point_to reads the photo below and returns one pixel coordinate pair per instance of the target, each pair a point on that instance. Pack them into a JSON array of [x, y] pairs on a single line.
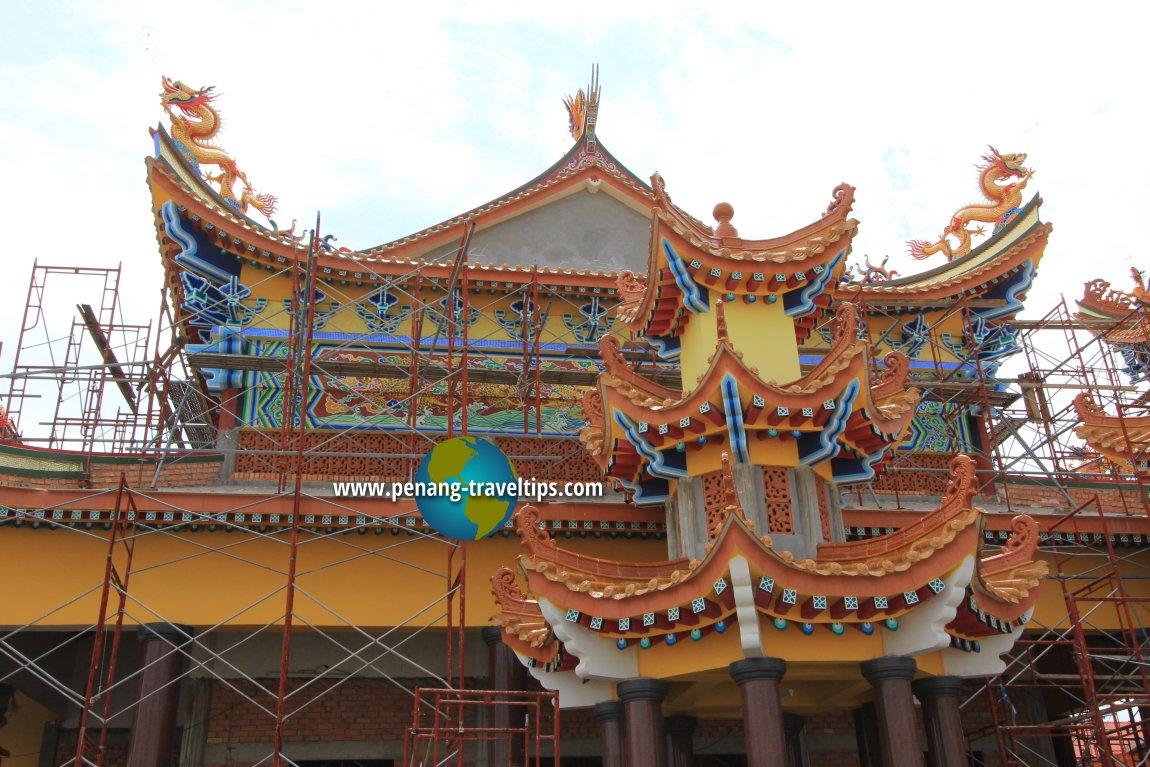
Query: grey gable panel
[[581, 231]]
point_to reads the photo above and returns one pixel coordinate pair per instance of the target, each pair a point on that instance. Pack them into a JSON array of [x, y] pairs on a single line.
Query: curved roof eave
[[971, 273], [575, 168]]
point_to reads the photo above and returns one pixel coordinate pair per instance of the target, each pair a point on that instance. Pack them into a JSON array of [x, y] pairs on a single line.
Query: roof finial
[[721, 323], [723, 213], [583, 110], [727, 484]]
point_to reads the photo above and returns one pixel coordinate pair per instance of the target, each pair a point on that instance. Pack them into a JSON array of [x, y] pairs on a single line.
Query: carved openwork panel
[[713, 499], [777, 497], [822, 488]]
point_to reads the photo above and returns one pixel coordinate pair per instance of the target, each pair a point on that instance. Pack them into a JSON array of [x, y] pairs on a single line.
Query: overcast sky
[[391, 117]]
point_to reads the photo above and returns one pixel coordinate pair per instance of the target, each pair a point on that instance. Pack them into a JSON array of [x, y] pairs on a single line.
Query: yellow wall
[[761, 331], [203, 578], [21, 736], [1095, 613]]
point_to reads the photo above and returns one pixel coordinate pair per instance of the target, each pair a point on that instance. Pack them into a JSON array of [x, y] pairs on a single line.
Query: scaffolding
[[292, 530], [60, 373], [1019, 400], [445, 722], [1078, 691]]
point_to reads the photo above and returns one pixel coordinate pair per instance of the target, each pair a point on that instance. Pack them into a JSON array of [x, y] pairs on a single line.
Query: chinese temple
[[848, 516]]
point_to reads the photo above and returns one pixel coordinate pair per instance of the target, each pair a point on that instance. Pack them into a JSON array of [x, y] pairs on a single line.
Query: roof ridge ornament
[[194, 129], [723, 213], [721, 330], [583, 111], [1005, 203], [732, 504]]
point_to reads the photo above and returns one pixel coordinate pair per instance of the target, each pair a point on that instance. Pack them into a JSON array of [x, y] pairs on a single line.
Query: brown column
[[681, 734], [866, 734], [758, 680], [154, 719], [610, 715], [646, 743], [897, 734], [229, 406], [985, 472], [793, 725], [1144, 716], [1031, 706], [504, 672], [946, 743]]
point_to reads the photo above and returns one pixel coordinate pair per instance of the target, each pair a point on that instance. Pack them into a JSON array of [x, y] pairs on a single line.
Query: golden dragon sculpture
[[194, 124], [1005, 199]]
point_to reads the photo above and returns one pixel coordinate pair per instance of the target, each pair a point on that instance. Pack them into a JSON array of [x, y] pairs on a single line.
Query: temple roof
[[579, 170], [834, 413], [1114, 315], [687, 260], [1002, 267], [854, 583], [1122, 438]]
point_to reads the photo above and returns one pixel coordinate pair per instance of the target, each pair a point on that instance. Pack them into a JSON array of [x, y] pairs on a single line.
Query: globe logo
[[466, 488]]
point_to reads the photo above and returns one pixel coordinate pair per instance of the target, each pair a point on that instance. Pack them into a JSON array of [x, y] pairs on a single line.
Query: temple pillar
[[749, 486], [674, 536], [898, 737], [691, 506], [1144, 716], [985, 472], [611, 716], [758, 680], [154, 718], [835, 511], [1028, 698], [227, 438], [504, 672], [680, 740], [1064, 752], [866, 735], [805, 502], [229, 409], [646, 743], [196, 721], [793, 726], [942, 719]]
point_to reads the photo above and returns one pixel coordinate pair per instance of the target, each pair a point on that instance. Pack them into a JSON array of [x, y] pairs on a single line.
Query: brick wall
[[333, 709], [1117, 499], [54, 469], [15, 480], [172, 474], [830, 739], [377, 710], [383, 456], [978, 722], [926, 475], [115, 748]]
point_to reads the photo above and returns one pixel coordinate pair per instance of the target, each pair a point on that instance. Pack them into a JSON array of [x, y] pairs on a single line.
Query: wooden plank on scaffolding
[[118, 375], [964, 392]]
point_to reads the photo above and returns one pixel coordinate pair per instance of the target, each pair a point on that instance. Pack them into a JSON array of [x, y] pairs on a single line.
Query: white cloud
[[390, 118]]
